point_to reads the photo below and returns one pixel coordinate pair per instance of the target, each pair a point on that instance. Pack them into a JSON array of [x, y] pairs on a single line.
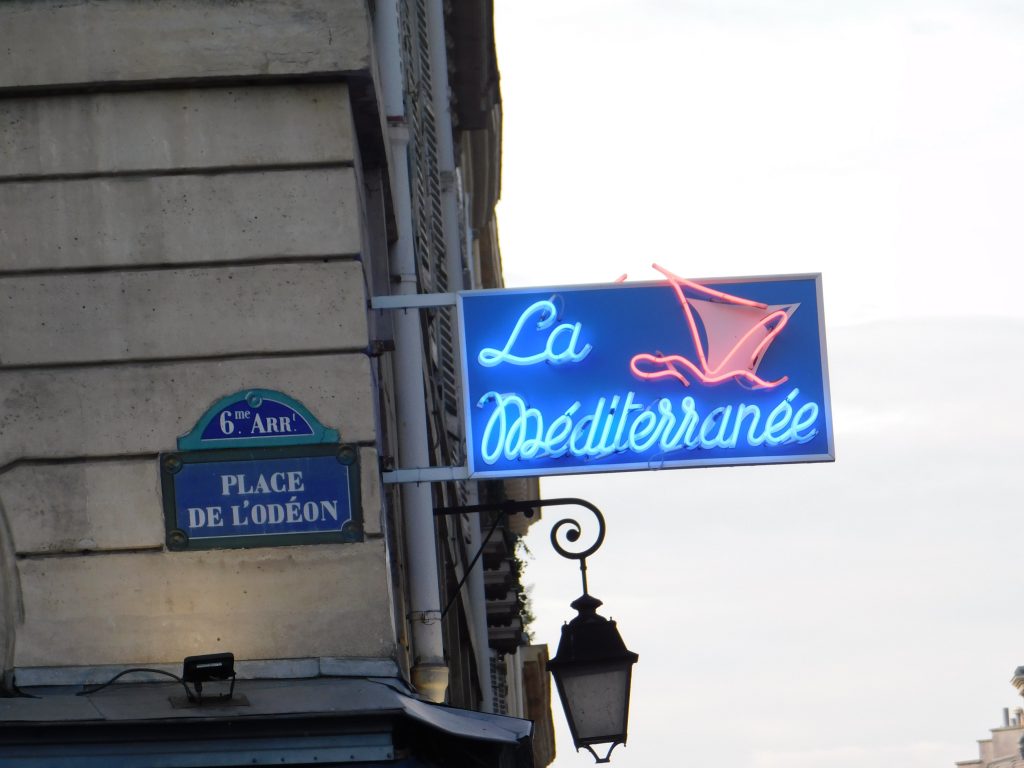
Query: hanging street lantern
[[592, 668], [592, 671]]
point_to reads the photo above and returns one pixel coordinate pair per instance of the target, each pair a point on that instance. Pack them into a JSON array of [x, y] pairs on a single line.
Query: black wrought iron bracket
[[568, 530]]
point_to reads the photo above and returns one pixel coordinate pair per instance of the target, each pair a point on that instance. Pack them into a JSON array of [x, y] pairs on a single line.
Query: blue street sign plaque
[[261, 497]]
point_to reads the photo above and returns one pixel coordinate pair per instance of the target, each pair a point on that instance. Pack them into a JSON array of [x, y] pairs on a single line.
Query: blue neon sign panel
[[645, 376]]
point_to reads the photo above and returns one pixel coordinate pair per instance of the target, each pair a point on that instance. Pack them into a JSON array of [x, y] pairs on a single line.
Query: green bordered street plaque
[[258, 470], [261, 497]]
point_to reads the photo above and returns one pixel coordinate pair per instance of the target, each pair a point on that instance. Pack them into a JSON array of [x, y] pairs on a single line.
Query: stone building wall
[[180, 219]]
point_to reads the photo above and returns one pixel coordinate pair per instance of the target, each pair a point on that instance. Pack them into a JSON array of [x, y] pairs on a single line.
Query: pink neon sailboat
[[738, 332]]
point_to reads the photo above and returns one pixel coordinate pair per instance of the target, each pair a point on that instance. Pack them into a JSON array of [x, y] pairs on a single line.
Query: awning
[[363, 721]]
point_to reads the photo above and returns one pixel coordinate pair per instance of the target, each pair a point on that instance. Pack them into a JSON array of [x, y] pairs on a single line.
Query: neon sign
[[546, 313], [645, 375]]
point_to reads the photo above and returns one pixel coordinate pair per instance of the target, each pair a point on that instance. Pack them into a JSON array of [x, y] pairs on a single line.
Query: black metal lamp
[[593, 671]]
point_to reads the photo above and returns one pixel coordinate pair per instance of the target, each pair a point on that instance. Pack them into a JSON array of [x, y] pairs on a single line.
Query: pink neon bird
[[738, 331]]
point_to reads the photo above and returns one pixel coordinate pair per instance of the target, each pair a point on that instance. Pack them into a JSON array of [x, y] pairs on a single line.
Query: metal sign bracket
[[413, 301], [426, 475]]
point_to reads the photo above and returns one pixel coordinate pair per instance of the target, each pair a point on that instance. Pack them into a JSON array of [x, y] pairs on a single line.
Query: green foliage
[[520, 554]]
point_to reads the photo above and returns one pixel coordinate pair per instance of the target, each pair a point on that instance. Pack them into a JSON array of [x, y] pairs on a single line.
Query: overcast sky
[[861, 613]]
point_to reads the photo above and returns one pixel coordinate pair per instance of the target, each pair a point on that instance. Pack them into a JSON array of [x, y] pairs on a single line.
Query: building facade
[[1005, 745], [200, 199], [1002, 748]]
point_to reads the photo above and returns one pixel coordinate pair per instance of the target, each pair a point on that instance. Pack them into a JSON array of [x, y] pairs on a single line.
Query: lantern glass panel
[[598, 700]]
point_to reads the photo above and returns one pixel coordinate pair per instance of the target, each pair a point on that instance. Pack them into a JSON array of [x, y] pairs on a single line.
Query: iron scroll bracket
[[564, 534]]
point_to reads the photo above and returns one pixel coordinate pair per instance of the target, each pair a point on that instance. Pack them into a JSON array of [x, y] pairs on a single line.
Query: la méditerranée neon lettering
[[619, 423]]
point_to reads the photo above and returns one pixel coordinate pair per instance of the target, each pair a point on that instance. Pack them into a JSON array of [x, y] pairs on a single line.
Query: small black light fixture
[[211, 666]]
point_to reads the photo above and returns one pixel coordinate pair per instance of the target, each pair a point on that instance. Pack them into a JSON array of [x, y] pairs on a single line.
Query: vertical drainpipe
[[429, 671], [478, 614], [441, 102]]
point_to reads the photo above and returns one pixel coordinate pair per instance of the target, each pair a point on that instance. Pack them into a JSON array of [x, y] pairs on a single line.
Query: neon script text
[[564, 337], [619, 424]]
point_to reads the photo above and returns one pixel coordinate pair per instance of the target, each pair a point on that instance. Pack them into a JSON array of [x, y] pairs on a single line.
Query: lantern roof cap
[[590, 638]]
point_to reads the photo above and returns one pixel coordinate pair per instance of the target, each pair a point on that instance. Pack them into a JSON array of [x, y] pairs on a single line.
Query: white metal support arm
[[413, 301]]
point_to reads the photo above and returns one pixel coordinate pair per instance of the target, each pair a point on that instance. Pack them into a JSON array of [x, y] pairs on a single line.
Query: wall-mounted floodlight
[[212, 666]]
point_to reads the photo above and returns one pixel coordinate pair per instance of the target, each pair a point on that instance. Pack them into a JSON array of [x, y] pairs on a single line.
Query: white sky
[[862, 613]]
